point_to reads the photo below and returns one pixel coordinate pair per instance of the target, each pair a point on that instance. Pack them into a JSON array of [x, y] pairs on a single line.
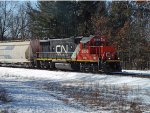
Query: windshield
[[96, 43]]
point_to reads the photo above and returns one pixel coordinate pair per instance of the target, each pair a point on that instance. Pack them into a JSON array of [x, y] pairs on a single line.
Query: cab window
[[84, 45], [97, 43]]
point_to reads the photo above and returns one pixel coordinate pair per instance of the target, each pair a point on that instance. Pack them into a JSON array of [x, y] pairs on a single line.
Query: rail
[[54, 55], [141, 75]]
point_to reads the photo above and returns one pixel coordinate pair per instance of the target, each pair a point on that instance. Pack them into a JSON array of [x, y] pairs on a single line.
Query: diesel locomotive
[[87, 54], [92, 54]]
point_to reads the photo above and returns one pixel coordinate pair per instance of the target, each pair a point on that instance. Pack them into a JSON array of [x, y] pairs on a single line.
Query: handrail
[[56, 52]]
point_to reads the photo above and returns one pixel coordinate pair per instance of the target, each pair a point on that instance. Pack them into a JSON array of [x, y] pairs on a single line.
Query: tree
[[64, 19], [19, 23], [138, 33], [129, 22], [41, 18], [6, 9], [100, 20]]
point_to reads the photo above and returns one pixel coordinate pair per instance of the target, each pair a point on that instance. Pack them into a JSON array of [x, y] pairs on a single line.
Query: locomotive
[[86, 54], [92, 54]]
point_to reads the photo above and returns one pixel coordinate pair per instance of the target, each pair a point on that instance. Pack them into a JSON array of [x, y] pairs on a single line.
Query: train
[[85, 54]]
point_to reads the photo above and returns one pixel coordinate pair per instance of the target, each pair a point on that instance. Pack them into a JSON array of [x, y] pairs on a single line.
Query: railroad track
[[141, 75]]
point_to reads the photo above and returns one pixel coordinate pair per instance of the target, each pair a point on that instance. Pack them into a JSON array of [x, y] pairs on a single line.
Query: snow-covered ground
[[19, 83]]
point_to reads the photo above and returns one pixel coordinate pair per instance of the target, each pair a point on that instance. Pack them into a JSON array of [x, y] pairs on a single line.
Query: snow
[[19, 83], [138, 71], [64, 76], [27, 99]]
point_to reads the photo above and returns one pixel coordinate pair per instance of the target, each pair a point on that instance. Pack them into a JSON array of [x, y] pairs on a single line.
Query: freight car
[[18, 53], [91, 54]]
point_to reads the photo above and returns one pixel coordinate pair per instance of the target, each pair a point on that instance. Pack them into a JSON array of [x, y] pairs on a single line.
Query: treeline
[[125, 23]]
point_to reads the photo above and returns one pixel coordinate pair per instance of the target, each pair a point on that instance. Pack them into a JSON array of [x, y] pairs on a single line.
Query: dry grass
[[4, 96], [93, 96], [4, 99]]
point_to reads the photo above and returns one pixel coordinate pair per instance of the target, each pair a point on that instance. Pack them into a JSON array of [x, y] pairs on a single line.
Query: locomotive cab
[[95, 51]]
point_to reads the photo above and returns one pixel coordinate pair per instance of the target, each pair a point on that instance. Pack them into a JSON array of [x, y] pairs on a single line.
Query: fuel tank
[[63, 66]]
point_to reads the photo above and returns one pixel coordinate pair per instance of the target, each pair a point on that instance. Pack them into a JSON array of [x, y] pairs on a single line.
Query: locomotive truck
[[87, 54]]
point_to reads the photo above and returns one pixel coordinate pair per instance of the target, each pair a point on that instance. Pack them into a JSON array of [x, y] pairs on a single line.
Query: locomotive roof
[[56, 39], [86, 39], [83, 39], [44, 40]]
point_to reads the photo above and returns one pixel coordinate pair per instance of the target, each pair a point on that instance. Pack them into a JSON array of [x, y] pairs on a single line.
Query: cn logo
[[61, 49]]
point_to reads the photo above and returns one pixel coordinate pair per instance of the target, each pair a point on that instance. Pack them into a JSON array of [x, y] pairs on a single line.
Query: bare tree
[[6, 10], [19, 23], [14, 28]]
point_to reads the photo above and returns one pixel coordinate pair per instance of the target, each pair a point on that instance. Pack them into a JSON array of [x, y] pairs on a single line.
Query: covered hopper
[[18, 52]]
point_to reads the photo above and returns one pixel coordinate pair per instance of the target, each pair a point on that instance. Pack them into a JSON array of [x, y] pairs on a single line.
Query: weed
[[94, 96], [4, 97]]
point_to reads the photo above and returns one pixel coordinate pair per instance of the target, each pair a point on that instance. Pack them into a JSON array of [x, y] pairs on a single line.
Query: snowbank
[[27, 99], [64, 76]]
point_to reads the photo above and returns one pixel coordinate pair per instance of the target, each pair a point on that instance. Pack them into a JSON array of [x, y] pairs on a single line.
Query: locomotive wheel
[[41, 65], [37, 64], [118, 67], [51, 65], [33, 64], [107, 68], [83, 67], [111, 67], [95, 68], [91, 68]]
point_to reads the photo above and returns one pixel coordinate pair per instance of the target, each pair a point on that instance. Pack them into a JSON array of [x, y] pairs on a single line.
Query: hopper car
[[87, 54], [18, 53]]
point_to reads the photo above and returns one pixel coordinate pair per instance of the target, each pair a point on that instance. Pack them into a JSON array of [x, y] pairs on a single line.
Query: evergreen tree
[[40, 18], [63, 19], [53, 19]]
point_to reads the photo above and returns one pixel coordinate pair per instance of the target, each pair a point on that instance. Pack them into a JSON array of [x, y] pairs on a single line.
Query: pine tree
[[63, 19]]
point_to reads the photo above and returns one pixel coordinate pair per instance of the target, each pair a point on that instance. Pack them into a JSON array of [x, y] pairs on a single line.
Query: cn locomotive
[[87, 54]]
